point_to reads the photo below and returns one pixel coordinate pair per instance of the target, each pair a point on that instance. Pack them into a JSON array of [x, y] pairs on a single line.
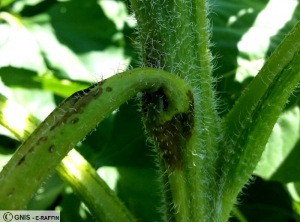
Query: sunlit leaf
[[24, 78], [280, 160]]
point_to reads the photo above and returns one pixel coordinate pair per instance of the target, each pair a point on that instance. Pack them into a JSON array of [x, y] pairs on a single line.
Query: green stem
[[101, 201], [174, 36], [73, 169], [249, 124], [55, 137]]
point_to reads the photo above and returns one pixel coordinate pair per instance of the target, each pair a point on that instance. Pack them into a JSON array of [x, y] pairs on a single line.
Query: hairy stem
[[73, 169], [55, 136], [249, 124], [174, 36]]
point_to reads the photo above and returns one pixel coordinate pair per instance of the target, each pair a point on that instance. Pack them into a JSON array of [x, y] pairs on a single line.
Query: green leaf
[[71, 209], [140, 190], [280, 159], [239, 52], [82, 25], [13, 30], [24, 78], [5, 2], [269, 200], [91, 48], [47, 194], [231, 21]]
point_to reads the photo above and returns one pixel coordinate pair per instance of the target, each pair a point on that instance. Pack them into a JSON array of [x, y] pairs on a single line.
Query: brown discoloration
[[70, 100], [74, 121], [108, 89], [76, 103], [85, 92], [169, 136], [157, 102], [72, 110], [97, 92], [168, 139], [42, 139], [21, 161], [31, 150], [146, 100], [62, 120], [51, 149], [100, 83]]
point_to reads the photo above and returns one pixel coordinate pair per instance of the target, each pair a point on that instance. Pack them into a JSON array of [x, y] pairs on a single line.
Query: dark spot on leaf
[[21, 161], [83, 92], [70, 100], [97, 92], [108, 89], [51, 149], [43, 138], [62, 119], [100, 83], [76, 103], [31, 149], [75, 120]]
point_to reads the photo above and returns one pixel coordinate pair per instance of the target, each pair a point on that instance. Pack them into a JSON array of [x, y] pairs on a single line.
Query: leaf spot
[[21, 161], [74, 121], [51, 149], [108, 89], [98, 92]]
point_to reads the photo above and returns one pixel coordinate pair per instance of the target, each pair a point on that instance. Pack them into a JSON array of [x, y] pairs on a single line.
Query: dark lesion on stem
[[77, 102], [169, 136]]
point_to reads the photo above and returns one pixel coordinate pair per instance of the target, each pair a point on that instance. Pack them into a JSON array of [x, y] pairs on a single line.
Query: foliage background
[[50, 49]]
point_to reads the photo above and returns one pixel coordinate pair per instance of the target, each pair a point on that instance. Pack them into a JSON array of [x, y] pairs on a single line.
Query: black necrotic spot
[[21, 160], [51, 149], [108, 89], [97, 92], [75, 120]]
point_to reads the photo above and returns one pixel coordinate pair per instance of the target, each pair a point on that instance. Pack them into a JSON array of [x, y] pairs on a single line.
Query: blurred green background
[[50, 49]]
